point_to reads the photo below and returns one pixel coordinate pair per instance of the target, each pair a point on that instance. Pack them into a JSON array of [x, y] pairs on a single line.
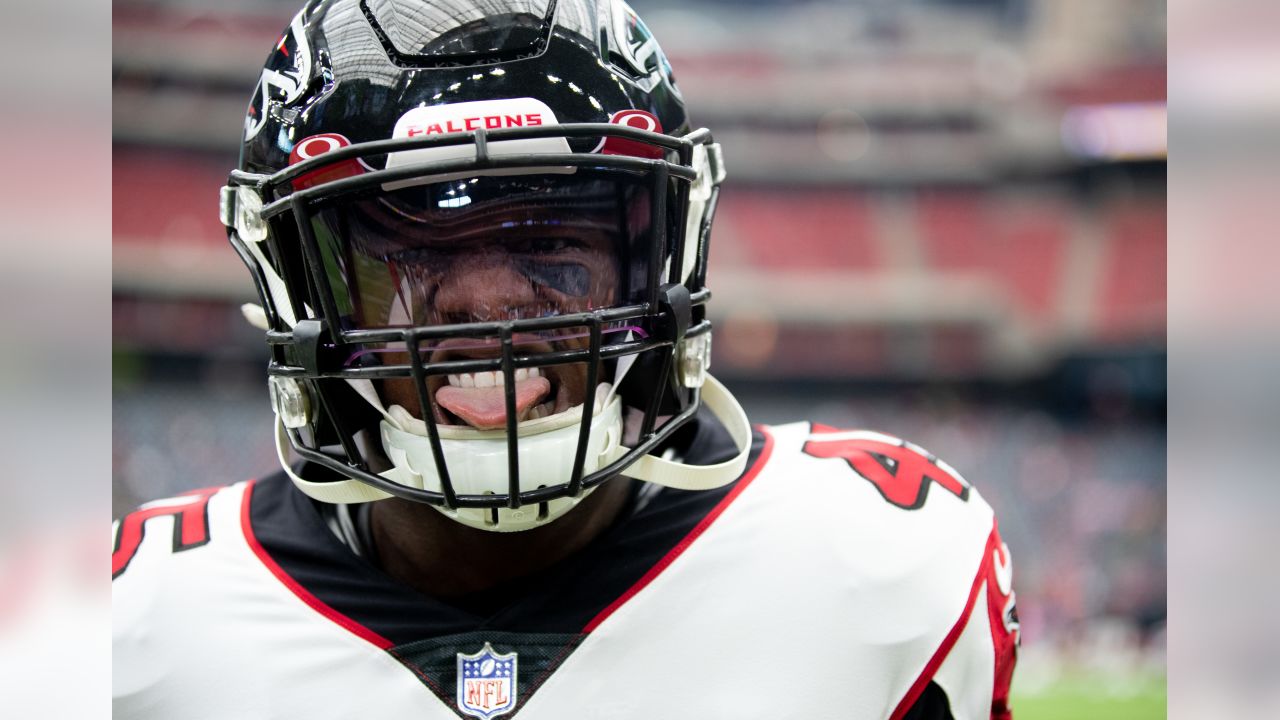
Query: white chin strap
[[548, 453], [680, 476]]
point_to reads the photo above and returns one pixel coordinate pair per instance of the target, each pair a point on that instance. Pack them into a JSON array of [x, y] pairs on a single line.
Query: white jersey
[[845, 575]]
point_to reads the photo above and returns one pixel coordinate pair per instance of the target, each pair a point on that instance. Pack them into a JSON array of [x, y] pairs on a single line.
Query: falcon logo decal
[[638, 49], [284, 78]]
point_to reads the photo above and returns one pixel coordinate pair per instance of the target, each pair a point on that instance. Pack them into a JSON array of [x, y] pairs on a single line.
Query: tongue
[[486, 408]]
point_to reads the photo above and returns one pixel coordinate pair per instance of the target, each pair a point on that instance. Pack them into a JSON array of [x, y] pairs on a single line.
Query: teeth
[[539, 411], [491, 379], [480, 379]]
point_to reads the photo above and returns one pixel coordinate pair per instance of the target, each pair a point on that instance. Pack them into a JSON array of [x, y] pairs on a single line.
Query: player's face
[[486, 249], [536, 270]]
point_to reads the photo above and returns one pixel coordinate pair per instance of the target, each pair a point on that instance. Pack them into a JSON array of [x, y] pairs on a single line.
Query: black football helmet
[[479, 233]]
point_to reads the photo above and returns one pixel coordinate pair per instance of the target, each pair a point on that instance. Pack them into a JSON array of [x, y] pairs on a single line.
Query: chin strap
[[649, 467], [337, 492], [680, 476]]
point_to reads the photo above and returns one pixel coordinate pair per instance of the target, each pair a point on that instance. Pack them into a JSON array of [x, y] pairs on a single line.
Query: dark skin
[[410, 536], [415, 543]]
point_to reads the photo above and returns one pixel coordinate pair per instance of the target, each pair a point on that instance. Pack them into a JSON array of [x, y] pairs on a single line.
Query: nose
[[483, 286]]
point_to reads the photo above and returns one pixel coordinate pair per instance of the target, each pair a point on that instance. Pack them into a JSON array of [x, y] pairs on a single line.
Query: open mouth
[[479, 399]]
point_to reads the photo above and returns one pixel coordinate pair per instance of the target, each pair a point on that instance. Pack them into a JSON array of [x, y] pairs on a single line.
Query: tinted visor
[[487, 249]]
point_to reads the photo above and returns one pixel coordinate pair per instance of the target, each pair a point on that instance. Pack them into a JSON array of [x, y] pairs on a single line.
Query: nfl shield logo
[[486, 683]]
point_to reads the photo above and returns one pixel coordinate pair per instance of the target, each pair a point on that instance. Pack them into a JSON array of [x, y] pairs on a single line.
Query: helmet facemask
[[494, 312]]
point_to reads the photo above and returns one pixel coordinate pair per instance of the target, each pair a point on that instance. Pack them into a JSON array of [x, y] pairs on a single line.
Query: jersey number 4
[[901, 471], [190, 527]]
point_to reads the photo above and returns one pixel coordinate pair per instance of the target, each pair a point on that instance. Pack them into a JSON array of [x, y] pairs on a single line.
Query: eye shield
[[486, 248]]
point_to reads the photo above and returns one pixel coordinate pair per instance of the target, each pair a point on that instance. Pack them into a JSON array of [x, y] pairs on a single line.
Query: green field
[[1092, 698]]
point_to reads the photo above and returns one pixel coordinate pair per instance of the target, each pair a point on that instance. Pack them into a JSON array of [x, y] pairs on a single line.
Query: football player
[[479, 232]]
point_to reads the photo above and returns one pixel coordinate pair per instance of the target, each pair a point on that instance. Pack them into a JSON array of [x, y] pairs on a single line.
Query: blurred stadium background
[[945, 220]]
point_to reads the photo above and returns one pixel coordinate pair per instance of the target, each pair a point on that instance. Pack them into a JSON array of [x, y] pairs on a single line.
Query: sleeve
[[975, 676]]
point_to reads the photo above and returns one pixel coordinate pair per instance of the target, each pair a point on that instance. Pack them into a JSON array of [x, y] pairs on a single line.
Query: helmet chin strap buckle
[[240, 208], [693, 360], [290, 400]]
